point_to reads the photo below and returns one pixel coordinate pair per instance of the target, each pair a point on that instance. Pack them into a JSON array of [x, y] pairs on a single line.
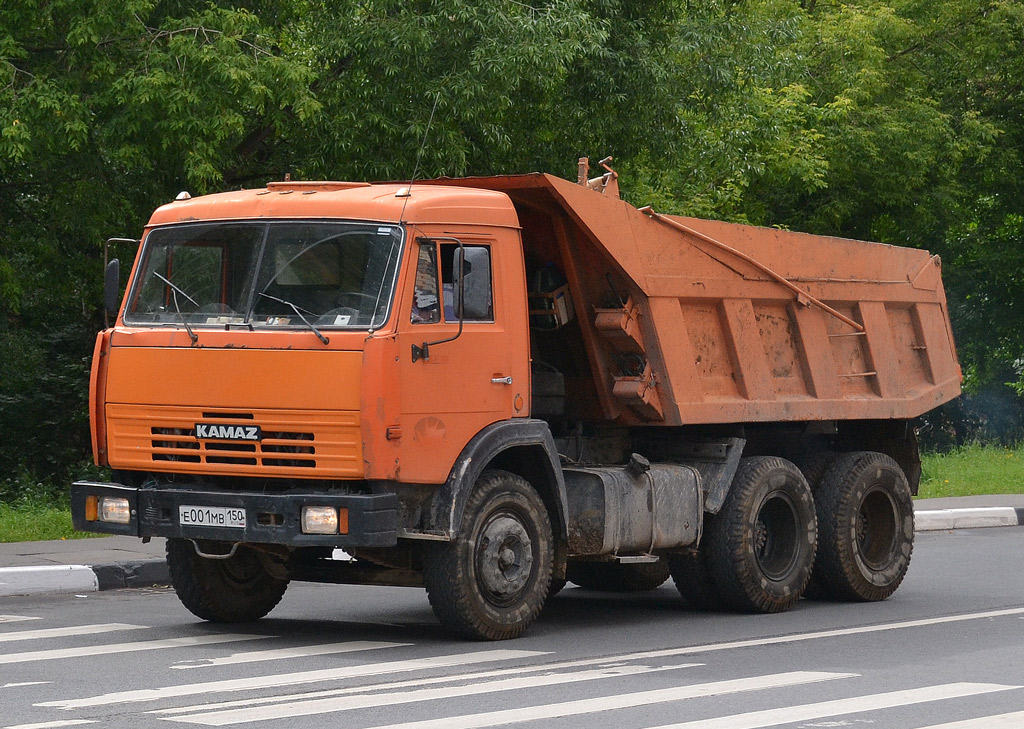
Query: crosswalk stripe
[[73, 630], [52, 724], [109, 648], [405, 685], [365, 701], [25, 683], [291, 679], [17, 618], [1000, 721], [620, 701], [837, 707], [277, 654]]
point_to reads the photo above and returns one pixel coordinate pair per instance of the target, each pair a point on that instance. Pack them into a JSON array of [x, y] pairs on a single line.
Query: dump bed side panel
[[722, 323]]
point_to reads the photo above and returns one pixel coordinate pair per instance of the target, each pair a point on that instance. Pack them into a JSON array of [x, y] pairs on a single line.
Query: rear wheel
[[693, 579], [491, 582], [760, 546], [814, 465], [618, 576], [866, 523], [236, 589]]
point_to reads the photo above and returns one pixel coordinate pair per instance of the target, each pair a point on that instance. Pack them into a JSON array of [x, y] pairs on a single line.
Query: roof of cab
[[347, 200]]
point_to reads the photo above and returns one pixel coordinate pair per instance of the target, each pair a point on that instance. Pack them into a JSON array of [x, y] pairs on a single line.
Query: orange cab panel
[[230, 411]]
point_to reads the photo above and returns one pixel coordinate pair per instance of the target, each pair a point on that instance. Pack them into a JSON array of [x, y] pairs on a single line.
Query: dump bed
[[687, 321]]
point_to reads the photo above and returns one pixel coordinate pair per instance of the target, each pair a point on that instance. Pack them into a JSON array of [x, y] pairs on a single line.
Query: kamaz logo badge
[[208, 431]]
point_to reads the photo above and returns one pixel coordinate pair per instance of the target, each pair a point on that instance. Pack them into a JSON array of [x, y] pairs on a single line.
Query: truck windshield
[[263, 274]]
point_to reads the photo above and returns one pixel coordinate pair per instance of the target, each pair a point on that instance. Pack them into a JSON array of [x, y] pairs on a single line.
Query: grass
[[973, 470], [31, 522]]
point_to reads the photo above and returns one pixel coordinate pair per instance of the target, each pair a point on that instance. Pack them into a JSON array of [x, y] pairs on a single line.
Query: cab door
[[455, 377]]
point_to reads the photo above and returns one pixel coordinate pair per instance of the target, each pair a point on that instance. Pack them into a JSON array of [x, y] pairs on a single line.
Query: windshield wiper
[[294, 308], [193, 337]]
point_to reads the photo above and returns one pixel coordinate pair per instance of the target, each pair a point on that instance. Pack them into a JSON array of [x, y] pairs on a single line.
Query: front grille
[[314, 445], [180, 445]]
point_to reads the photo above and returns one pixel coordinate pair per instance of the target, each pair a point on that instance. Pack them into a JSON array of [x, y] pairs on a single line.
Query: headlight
[[319, 520], [115, 510]]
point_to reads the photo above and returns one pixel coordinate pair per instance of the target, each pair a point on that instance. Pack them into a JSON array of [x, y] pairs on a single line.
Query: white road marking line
[[365, 701], [17, 618], [52, 724], [999, 721], [642, 655], [142, 645], [25, 683], [277, 654], [406, 685], [799, 637], [857, 704], [292, 679], [621, 701], [67, 632]]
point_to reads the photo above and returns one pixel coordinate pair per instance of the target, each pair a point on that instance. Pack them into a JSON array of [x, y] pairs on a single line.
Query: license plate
[[211, 516]]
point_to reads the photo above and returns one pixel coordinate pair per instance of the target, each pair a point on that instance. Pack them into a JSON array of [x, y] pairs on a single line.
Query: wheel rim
[[776, 536], [242, 570], [876, 528], [504, 558]]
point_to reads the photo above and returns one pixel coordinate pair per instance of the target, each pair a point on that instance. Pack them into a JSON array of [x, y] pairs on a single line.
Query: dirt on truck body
[[490, 386]]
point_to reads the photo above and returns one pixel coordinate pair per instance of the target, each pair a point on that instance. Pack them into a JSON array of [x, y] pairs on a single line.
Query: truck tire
[[813, 466], [760, 546], [491, 582], [233, 590], [866, 528], [693, 579], [618, 576]]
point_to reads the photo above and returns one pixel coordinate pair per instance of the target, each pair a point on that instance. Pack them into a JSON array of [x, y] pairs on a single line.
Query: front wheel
[[491, 582], [760, 546], [237, 589], [866, 522]]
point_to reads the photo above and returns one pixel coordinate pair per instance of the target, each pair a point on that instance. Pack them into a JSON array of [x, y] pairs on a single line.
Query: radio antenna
[[407, 192]]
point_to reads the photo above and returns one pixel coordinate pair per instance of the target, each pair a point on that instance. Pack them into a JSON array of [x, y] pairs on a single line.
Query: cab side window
[[425, 301], [470, 274]]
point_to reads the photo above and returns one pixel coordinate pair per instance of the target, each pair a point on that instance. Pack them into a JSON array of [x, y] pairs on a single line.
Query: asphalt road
[[946, 651]]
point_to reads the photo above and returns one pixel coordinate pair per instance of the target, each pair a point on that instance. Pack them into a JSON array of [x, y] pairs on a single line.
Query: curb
[[77, 578], [989, 516]]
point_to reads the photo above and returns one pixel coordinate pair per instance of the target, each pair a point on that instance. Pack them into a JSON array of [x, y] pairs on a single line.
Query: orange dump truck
[[489, 386]]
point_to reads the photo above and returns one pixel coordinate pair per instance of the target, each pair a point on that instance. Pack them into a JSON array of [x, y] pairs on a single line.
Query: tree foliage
[[891, 120]]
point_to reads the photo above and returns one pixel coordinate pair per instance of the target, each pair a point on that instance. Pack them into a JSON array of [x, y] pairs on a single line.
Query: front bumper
[[270, 518]]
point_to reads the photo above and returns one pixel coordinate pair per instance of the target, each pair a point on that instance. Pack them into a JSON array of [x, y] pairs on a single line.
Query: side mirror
[[472, 283], [112, 287]]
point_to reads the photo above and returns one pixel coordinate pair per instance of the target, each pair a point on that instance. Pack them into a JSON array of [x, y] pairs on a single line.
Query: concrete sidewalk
[[87, 565]]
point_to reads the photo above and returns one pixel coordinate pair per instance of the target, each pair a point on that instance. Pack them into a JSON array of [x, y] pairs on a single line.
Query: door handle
[[501, 380]]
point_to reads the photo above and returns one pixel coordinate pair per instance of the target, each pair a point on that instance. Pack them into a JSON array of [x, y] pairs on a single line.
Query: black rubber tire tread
[[210, 590], [842, 571], [618, 576], [730, 539], [694, 581], [813, 465], [450, 572]]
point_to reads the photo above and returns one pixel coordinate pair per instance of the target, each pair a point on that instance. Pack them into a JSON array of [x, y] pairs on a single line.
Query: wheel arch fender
[[524, 447]]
